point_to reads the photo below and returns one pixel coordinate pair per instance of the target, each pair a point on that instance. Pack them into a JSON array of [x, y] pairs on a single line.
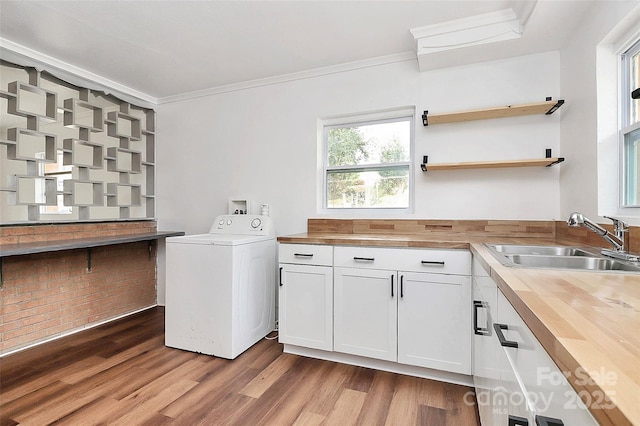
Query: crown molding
[[318, 72], [22, 55], [463, 24], [466, 32], [25, 56]]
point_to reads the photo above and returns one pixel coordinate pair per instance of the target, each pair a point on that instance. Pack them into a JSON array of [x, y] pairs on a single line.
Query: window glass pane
[[377, 143], [370, 188], [632, 161]]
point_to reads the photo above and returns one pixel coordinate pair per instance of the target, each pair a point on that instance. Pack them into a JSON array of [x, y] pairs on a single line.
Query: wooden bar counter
[[588, 322]]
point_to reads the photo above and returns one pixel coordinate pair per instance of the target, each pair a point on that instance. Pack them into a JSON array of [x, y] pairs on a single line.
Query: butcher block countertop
[[589, 322]]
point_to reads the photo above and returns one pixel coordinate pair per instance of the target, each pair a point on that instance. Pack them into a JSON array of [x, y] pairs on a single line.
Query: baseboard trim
[[376, 364], [74, 331]]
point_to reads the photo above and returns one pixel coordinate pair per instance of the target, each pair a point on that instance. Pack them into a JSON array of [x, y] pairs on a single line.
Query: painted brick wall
[[48, 294]]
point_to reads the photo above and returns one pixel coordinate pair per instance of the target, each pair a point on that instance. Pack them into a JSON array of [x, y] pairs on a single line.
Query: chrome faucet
[[619, 240]]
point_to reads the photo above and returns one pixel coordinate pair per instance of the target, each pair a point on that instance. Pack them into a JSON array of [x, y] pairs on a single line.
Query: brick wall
[[48, 294]]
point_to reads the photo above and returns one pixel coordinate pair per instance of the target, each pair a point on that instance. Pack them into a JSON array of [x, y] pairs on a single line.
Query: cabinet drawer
[[410, 259], [306, 254]]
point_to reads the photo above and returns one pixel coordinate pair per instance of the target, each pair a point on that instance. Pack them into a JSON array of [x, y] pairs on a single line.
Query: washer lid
[[218, 239]]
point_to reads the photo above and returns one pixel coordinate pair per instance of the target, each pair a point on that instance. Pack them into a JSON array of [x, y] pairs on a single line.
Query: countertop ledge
[[19, 249], [588, 322]]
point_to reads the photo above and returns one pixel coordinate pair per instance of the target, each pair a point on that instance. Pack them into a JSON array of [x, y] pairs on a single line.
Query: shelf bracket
[[425, 160], [555, 107], [89, 259], [425, 118], [548, 154]]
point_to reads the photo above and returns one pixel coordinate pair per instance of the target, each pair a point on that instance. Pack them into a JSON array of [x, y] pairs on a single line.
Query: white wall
[[261, 143], [591, 118]]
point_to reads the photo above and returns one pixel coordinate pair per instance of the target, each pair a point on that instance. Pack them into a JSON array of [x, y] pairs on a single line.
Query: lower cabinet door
[[365, 312], [306, 306], [549, 393], [485, 371], [434, 321]]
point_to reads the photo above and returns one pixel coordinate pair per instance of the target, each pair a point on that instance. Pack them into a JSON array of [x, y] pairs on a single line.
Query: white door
[[365, 312], [306, 306], [434, 321]]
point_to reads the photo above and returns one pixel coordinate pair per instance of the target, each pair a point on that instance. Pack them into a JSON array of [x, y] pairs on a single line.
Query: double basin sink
[[558, 257]]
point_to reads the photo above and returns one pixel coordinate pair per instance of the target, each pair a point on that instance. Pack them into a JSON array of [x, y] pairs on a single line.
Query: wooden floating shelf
[[548, 107], [536, 162]]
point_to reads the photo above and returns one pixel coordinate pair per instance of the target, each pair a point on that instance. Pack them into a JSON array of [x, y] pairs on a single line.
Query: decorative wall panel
[[68, 153]]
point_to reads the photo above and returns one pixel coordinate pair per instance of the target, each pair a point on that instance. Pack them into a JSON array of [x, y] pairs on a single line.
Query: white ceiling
[[169, 48]]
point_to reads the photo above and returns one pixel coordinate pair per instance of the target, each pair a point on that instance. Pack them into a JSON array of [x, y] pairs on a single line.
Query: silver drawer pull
[[432, 262], [303, 254], [364, 259]]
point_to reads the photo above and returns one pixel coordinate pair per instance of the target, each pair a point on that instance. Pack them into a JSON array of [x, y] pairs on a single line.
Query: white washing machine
[[220, 290]]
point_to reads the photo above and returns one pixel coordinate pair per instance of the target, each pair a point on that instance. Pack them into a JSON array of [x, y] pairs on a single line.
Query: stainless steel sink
[[558, 257], [542, 250], [572, 262]]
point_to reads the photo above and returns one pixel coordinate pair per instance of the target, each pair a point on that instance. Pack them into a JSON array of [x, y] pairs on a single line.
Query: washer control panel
[[242, 224]]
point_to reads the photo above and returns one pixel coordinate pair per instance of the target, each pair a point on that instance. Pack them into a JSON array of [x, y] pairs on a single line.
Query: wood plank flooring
[[122, 374]]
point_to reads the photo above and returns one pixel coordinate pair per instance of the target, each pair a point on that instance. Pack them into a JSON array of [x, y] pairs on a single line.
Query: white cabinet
[[488, 358], [403, 313], [548, 393], [306, 296], [517, 383], [365, 303], [434, 321]]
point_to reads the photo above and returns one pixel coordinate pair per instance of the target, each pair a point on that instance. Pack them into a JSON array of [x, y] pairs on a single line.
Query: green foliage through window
[[368, 164]]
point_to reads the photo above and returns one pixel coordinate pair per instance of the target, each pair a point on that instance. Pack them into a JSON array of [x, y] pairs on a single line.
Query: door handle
[[280, 279], [401, 286], [392, 285], [503, 341], [548, 421], [517, 421], [303, 254], [480, 331], [432, 262]]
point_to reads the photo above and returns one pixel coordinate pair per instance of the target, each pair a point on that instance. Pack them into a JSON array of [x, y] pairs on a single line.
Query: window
[[630, 129], [367, 162]]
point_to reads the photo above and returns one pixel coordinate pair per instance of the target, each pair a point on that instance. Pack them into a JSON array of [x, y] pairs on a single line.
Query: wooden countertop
[[589, 322]]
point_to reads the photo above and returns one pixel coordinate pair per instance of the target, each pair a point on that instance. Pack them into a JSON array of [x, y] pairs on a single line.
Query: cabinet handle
[[303, 254], [548, 421], [392, 286], [364, 259], [280, 279], [480, 331], [401, 286], [517, 421], [503, 341], [432, 262]]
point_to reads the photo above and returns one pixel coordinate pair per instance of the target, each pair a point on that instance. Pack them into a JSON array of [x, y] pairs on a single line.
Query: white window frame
[[609, 115], [626, 127], [360, 119]]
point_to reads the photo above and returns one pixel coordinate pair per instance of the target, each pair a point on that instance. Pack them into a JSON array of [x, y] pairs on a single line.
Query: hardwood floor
[[122, 374]]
